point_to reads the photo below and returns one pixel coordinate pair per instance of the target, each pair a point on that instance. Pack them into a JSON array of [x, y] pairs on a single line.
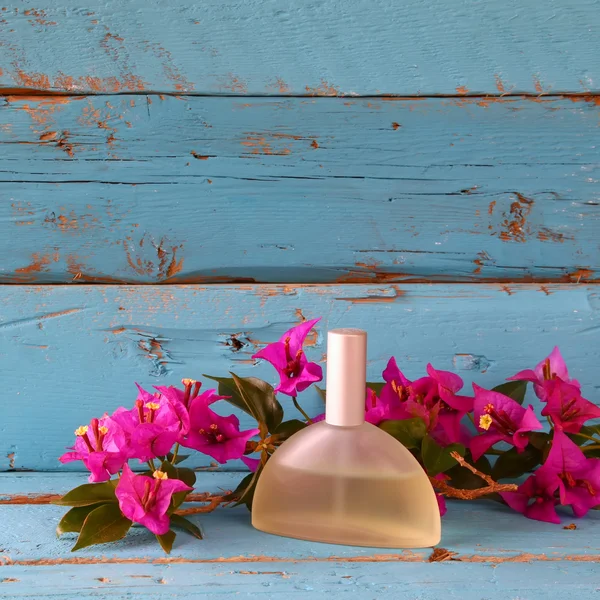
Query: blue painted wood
[[482, 531], [314, 581], [286, 47], [69, 353], [144, 189]]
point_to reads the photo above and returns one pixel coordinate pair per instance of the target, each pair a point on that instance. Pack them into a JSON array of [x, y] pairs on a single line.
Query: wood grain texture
[[314, 581], [328, 47], [493, 553], [178, 189], [477, 532], [75, 351]]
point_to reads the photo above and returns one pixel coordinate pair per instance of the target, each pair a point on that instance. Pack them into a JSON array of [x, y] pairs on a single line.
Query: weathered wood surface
[[178, 189], [69, 353], [493, 554], [327, 47]]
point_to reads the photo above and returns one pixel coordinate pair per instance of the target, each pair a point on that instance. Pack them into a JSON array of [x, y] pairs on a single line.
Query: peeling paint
[[323, 89]]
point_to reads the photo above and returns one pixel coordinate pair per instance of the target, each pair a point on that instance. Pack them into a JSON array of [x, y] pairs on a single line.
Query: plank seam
[[407, 557]]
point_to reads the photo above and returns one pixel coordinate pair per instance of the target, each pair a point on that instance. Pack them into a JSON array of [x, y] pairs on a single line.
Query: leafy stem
[[175, 451], [301, 410]]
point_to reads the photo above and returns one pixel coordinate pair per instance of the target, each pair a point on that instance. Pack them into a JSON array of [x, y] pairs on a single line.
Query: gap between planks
[[406, 557], [19, 91]]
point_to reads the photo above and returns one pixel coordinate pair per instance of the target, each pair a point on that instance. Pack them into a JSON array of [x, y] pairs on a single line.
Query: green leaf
[[180, 458], [376, 386], [288, 429], [462, 478], [183, 474], [89, 493], [409, 432], [512, 464], [166, 540], [104, 524], [73, 519], [513, 389], [593, 430], [244, 493], [254, 396], [436, 458], [261, 396], [183, 523], [539, 439]]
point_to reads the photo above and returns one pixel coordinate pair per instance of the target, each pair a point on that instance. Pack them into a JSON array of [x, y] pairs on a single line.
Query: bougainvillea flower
[[452, 406], [577, 477], [550, 368], [500, 418], [217, 436], [433, 398], [566, 406], [153, 425], [145, 500], [534, 500], [251, 463], [288, 358], [376, 410], [441, 500], [99, 446], [395, 392], [190, 390]]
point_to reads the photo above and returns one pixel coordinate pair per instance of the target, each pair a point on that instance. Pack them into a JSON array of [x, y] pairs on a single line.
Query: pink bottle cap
[[346, 377]]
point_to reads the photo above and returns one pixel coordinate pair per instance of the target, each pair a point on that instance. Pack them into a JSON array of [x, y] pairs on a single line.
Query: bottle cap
[[346, 377]]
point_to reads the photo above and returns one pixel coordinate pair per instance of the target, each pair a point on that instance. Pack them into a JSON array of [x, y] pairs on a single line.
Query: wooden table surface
[[182, 181], [491, 553]]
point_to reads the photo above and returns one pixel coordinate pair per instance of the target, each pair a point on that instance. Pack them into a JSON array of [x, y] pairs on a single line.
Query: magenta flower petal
[[289, 360], [251, 463], [577, 477], [534, 501], [550, 368], [146, 500], [214, 435], [566, 406], [152, 427], [100, 447], [501, 419], [480, 444]]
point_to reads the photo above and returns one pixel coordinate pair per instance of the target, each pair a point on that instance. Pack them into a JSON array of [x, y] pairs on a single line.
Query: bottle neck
[[346, 377]]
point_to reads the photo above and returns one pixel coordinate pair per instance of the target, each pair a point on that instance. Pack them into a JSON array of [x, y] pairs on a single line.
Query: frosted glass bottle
[[345, 481]]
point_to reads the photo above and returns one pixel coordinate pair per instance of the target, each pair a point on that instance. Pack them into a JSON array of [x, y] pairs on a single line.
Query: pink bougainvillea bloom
[[153, 425], [395, 392], [288, 358], [566, 406], [145, 500], [318, 418], [576, 477], [99, 446], [550, 368], [212, 434], [191, 388], [500, 418], [376, 410], [441, 500], [452, 406], [433, 398], [251, 463], [534, 500]]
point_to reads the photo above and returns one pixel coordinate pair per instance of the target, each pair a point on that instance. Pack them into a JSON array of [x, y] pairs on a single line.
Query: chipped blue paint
[[462, 190], [495, 554], [287, 47], [77, 350]]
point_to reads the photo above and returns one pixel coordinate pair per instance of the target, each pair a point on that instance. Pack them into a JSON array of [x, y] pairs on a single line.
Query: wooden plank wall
[[177, 175]]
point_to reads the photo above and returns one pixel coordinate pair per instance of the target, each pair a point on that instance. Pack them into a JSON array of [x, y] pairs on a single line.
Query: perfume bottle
[[345, 481]]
